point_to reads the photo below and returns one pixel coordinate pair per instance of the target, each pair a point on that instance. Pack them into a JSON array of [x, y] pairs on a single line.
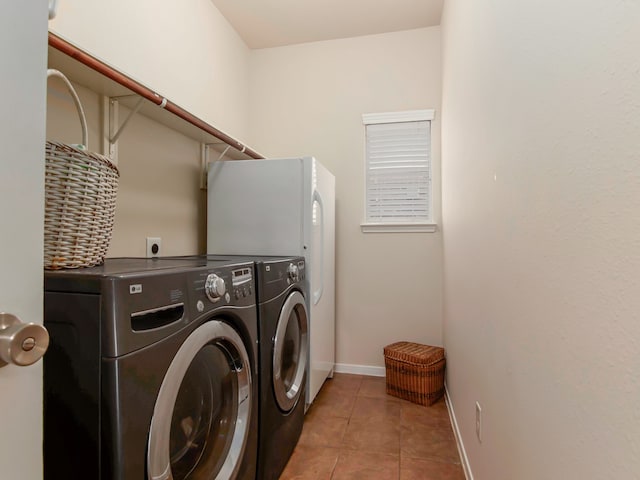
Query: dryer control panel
[[275, 276]]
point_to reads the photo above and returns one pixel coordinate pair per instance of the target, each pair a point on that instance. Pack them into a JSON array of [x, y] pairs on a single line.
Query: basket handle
[[83, 121]]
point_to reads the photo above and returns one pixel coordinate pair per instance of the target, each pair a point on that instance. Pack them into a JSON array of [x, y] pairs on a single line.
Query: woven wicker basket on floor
[[415, 372], [80, 200]]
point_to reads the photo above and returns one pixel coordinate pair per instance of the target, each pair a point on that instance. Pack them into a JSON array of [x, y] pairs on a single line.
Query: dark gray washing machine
[[284, 350], [283, 325], [152, 371]]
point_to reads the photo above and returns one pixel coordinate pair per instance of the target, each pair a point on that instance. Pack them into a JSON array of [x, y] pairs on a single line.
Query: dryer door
[[290, 351], [201, 416]]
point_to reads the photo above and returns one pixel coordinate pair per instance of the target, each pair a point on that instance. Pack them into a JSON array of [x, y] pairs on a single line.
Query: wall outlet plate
[[154, 246]]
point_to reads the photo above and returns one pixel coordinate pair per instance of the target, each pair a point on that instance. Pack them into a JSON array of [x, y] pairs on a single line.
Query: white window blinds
[[398, 168]]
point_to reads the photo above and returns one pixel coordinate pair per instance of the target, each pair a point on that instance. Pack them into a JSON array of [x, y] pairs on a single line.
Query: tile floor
[[354, 431]]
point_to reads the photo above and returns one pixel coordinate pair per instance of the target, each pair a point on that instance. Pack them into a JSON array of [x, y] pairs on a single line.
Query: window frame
[[395, 227]]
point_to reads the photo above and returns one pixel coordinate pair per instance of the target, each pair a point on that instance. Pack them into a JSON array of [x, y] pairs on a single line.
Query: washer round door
[[201, 416], [290, 351]]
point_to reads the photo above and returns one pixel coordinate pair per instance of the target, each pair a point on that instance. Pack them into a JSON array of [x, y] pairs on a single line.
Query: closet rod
[[104, 69]]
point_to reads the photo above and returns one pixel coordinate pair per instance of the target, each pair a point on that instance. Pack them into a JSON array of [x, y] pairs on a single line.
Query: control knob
[[293, 272], [214, 287]]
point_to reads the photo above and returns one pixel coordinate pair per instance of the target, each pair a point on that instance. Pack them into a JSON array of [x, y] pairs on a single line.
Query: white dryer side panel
[[321, 264], [255, 208]]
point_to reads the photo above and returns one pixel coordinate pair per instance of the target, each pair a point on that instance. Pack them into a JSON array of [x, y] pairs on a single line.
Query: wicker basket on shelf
[[415, 372], [80, 200]]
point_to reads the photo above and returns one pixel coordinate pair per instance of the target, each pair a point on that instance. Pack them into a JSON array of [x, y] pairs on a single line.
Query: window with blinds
[[398, 168]]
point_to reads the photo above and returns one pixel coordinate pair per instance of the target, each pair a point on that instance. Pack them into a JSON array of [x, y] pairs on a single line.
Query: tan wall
[[184, 50], [306, 99], [158, 193], [309, 99], [541, 187]]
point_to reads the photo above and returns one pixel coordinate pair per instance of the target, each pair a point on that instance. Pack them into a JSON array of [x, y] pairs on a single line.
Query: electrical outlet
[[479, 422], [154, 246]]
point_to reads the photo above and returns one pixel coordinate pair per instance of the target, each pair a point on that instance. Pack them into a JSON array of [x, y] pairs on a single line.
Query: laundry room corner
[[308, 99]]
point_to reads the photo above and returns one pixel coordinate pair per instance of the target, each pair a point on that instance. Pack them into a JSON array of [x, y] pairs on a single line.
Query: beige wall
[[158, 192], [305, 99], [541, 187], [309, 99], [184, 50]]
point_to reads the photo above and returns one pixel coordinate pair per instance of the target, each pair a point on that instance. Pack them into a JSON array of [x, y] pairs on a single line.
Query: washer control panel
[[214, 287], [242, 282], [218, 286]]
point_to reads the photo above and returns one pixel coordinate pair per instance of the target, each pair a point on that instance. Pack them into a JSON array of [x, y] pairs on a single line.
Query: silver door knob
[[21, 343]]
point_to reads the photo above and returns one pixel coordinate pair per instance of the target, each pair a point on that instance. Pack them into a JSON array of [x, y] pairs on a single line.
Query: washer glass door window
[[200, 420], [290, 349]]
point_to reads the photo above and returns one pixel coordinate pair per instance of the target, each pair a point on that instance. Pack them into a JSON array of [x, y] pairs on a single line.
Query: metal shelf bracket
[[204, 161], [111, 129]]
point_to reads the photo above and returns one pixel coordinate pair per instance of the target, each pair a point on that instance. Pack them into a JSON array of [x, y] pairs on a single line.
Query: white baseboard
[[360, 369], [456, 432]]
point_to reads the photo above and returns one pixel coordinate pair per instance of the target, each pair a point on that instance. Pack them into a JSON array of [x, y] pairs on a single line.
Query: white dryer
[[282, 207]]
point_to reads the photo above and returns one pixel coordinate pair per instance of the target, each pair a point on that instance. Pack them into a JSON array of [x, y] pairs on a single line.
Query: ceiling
[[274, 23]]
